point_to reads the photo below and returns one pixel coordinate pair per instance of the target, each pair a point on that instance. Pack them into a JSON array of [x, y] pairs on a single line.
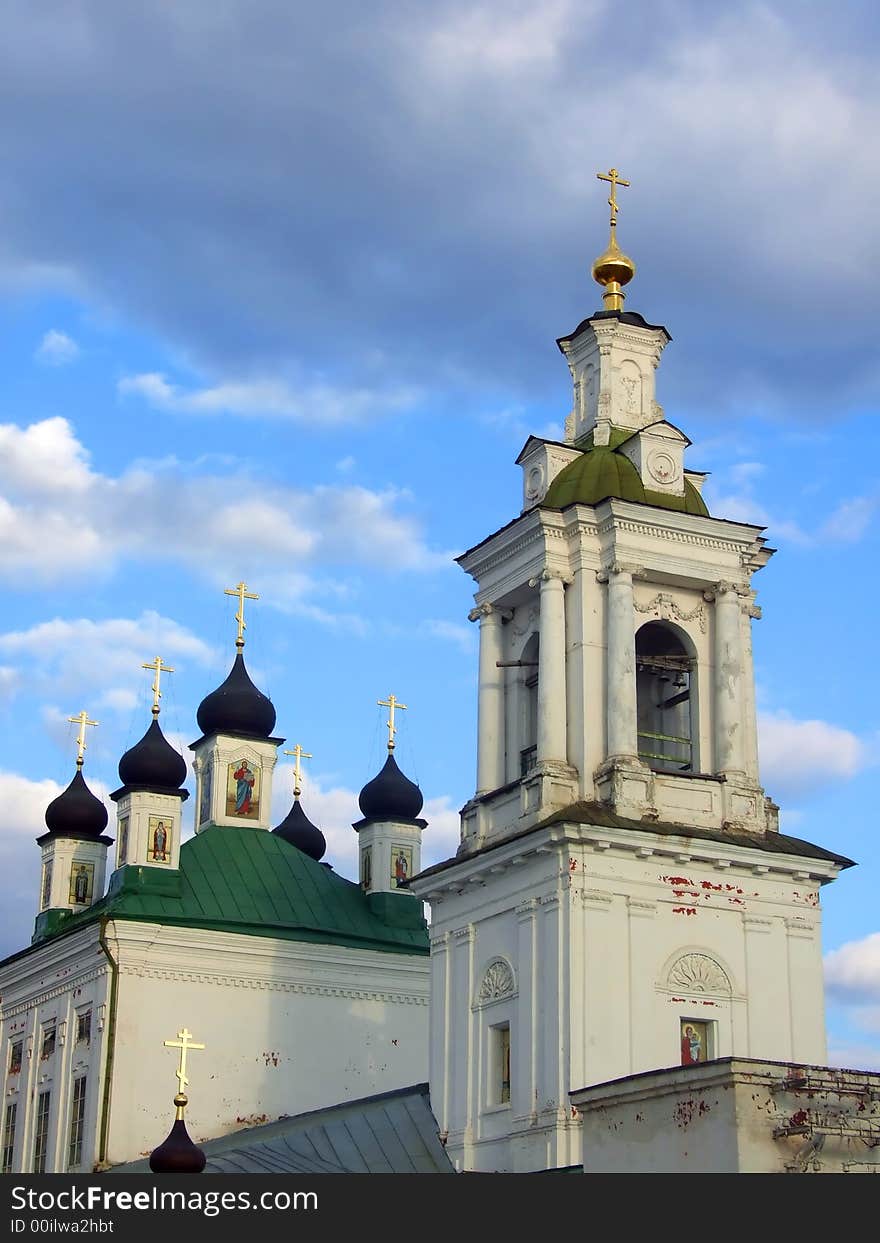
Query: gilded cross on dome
[[243, 594], [391, 703], [184, 1042], [158, 668], [616, 180], [613, 269], [298, 754], [82, 719]]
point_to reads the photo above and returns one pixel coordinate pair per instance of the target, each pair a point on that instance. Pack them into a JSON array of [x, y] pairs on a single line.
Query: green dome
[[602, 472]]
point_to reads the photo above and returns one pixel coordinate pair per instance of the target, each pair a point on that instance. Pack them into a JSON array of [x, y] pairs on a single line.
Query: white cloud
[[44, 459], [335, 809], [731, 495], [77, 656], [742, 473], [453, 632], [345, 464], [851, 1056], [851, 520], [315, 402], [146, 513], [57, 349], [22, 806], [798, 757], [10, 680], [852, 981], [852, 973]]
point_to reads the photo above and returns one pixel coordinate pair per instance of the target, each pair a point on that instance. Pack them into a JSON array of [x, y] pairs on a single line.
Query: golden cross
[[616, 181], [297, 772], [391, 703], [184, 1042], [159, 669], [82, 720], [243, 594]]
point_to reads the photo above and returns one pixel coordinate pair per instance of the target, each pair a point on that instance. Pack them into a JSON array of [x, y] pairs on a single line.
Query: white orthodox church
[[625, 955]]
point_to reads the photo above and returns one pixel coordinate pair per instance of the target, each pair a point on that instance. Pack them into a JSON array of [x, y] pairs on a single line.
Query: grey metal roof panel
[[393, 1133]]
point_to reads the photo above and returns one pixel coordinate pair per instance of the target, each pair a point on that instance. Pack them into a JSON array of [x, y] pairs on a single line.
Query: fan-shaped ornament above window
[[497, 983], [698, 973]]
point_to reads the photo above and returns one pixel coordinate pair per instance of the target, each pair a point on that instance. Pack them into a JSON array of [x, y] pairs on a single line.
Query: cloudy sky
[[279, 292]]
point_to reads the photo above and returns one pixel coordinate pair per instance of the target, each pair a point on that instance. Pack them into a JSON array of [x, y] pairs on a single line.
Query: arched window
[[528, 753], [663, 689]]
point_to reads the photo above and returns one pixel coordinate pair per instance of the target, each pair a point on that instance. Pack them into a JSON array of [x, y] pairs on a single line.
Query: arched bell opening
[[528, 752], [665, 687]]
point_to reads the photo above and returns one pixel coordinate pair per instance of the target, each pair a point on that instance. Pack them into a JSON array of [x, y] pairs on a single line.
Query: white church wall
[[288, 1027], [735, 1117], [53, 987], [614, 940]]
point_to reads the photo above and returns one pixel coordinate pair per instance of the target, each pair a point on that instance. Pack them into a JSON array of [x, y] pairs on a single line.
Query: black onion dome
[[76, 812], [237, 707], [390, 795], [153, 763], [298, 829], [178, 1154]]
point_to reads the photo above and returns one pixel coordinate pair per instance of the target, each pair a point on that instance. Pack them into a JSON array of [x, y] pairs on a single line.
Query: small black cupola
[[76, 812], [237, 707], [297, 829], [178, 1154], [152, 764], [390, 795]]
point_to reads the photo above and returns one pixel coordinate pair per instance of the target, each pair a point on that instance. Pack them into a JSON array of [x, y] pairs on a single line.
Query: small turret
[[390, 834], [296, 828], [74, 850], [150, 799], [235, 756]]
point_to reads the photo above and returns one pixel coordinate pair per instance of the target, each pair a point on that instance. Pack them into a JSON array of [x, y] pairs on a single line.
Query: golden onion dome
[[613, 266]]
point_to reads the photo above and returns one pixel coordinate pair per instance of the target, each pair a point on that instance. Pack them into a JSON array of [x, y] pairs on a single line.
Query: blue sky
[[279, 294]]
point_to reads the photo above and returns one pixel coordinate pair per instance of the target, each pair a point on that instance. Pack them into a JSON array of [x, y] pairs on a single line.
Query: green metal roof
[[601, 471], [252, 882]]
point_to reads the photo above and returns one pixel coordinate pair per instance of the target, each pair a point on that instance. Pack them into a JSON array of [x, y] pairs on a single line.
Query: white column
[[490, 705], [551, 670], [621, 716], [729, 750], [749, 611]]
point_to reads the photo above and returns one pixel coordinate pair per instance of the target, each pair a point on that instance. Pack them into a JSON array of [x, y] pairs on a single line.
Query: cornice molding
[[273, 986], [35, 1000]]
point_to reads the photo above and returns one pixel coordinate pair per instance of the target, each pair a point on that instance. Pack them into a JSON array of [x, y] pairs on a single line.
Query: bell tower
[[621, 891]]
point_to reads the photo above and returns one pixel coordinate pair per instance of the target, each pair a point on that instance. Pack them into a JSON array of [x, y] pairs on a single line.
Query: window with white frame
[[41, 1132], [9, 1136], [77, 1123]]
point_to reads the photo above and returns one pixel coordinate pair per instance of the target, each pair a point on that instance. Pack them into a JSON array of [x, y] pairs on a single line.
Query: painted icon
[[205, 796], [694, 1041], [122, 844], [82, 883], [47, 885], [401, 865], [243, 790], [159, 840]]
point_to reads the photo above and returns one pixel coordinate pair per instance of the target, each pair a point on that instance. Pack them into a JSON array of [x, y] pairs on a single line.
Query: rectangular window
[[47, 1048], [9, 1137], [501, 1067], [83, 1026], [77, 1121], [15, 1053], [41, 1135]]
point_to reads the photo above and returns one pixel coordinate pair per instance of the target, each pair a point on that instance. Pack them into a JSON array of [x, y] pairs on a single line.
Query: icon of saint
[[245, 779]]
